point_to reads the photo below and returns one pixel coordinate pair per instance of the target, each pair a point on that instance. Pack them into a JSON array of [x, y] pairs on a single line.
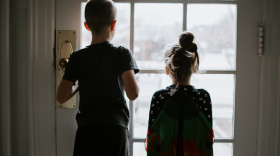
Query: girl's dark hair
[[182, 59]]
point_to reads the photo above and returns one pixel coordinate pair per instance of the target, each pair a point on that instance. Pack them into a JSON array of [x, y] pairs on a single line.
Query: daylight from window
[[215, 32], [157, 26]]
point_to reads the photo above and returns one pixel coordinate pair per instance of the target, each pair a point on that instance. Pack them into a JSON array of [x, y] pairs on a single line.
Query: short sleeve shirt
[[98, 69]]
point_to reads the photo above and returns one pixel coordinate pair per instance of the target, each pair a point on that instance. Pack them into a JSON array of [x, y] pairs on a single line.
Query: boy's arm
[[66, 91], [130, 85]]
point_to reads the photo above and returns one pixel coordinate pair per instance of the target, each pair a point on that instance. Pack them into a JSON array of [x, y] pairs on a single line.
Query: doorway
[[225, 46]]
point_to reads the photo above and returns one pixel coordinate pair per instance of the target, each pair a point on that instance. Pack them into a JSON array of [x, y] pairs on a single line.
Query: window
[[148, 28]]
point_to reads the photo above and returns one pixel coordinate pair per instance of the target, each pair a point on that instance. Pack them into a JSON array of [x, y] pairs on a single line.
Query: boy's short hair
[[99, 14]]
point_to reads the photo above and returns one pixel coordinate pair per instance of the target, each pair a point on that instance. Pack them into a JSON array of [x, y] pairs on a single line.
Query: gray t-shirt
[[99, 69]]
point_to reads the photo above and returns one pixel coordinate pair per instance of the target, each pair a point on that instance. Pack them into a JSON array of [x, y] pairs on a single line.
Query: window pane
[[215, 34], [154, 29], [149, 84], [139, 149], [126, 99], [220, 149], [122, 35], [86, 35], [220, 87]]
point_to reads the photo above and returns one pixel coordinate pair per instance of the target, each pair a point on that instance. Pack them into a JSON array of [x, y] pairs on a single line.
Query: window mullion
[[201, 72], [178, 1], [132, 27], [131, 128], [185, 17]]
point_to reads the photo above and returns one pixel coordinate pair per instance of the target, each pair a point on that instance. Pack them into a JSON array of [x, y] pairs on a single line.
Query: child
[[101, 72], [180, 120]]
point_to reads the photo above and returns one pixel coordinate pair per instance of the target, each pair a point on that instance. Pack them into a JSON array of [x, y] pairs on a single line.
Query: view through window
[[157, 26]]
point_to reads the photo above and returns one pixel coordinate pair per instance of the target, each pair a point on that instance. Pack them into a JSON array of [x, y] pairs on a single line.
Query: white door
[[227, 36]]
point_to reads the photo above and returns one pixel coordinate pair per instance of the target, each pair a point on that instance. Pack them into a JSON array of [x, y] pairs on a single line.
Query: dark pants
[[101, 140]]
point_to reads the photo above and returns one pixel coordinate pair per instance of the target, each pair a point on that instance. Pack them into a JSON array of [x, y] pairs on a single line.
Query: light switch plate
[[66, 44]]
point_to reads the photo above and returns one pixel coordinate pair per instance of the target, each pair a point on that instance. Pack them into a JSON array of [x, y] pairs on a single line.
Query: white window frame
[[133, 140]]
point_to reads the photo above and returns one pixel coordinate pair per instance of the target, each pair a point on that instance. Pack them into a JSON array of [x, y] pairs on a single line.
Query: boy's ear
[[166, 71], [86, 26], [113, 25]]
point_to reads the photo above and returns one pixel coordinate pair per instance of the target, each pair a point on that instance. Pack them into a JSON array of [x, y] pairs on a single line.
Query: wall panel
[[5, 120], [268, 112]]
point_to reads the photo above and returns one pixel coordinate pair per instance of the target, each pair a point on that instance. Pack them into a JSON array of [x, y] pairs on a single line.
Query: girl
[[180, 120]]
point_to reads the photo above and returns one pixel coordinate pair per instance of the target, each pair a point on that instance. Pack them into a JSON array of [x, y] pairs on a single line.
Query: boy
[[101, 72]]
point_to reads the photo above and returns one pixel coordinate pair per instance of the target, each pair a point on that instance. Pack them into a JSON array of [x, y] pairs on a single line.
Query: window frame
[[133, 140]]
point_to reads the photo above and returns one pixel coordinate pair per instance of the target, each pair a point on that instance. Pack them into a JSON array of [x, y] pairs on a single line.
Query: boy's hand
[[66, 90], [130, 85]]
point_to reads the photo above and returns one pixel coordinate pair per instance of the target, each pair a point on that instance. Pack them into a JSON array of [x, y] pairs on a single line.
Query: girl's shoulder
[[201, 91], [161, 93], [190, 90], [202, 95]]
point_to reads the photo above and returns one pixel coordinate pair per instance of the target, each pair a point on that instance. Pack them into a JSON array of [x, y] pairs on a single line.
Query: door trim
[[269, 93], [5, 142]]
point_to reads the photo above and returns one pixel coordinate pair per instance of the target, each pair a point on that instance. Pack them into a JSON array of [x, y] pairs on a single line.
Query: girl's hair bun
[[186, 40], [182, 60]]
